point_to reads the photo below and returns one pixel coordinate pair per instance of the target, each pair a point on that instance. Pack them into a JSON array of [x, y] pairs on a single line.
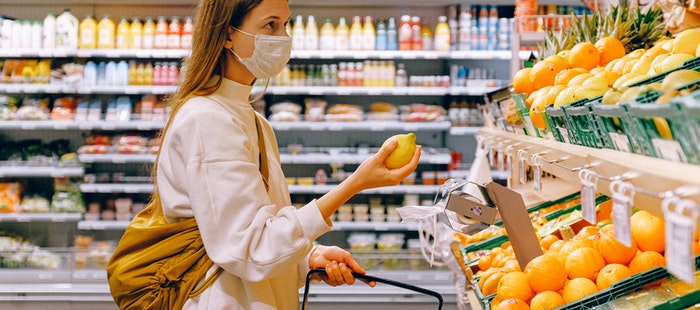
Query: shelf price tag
[[521, 164], [680, 235], [588, 189], [500, 161], [622, 196], [537, 172], [512, 166]]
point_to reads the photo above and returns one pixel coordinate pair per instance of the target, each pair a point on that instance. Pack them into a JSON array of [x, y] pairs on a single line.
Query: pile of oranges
[[590, 69], [572, 269]]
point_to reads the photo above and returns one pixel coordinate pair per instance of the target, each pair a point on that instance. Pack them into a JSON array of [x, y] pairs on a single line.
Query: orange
[[578, 288], [647, 260], [556, 246], [552, 93], [564, 76], [491, 283], [571, 246], [584, 55], [543, 73], [610, 77], [548, 240], [486, 275], [512, 304], [614, 251], [512, 265], [522, 82], [584, 263], [546, 300], [610, 274], [514, 285], [609, 48], [537, 112], [648, 231], [559, 61], [586, 232], [545, 273], [484, 262]]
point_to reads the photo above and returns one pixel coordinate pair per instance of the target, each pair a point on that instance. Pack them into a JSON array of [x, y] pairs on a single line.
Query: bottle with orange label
[[88, 32], [122, 36], [136, 34], [160, 37], [405, 33], [187, 32], [148, 33], [105, 32], [174, 33]]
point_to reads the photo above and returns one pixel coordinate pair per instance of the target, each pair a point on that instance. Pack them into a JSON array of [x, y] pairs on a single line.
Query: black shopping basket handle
[[371, 279]]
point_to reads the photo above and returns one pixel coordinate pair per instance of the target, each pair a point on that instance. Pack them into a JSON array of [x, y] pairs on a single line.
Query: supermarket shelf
[[464, 131], [40, 171], [116, 188], [379, 91], [326, 158], [117, 158], [82, 89], [40, 217], [347, 226], [95, 53], [361, 126], [650, 181], [80, 125], [399, 189], [407, 55]]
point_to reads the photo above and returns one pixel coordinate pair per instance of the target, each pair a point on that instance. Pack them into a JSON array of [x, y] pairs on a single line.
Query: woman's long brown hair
[[207, 59]]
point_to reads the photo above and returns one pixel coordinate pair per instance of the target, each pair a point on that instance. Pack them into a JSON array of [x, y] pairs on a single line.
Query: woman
[[210, 166]]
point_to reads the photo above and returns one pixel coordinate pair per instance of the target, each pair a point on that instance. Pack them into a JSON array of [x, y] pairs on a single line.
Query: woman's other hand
[[338, 263]]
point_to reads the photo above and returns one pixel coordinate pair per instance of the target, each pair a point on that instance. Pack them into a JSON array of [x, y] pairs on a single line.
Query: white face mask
[[270, 55]]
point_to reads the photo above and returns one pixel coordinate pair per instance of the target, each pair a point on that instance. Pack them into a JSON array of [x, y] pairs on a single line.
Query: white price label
[[621, 142], [523, 176], [588, 189], [530, 127], [512, 170], [538, 177], [622, 210], [564, 134], [500, 161], [669, 149], [680, 236]]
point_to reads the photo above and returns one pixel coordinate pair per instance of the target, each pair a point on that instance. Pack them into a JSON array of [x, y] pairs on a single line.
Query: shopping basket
[[370, 279]]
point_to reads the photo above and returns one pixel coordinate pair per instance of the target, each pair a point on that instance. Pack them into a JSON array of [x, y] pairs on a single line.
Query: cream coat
[[208, 168]]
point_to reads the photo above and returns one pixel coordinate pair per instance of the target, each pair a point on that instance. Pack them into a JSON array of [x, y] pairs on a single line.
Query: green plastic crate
[[613, 122], [690, 106], [585, 124], [558, 121], [530, 129], [648, 117]]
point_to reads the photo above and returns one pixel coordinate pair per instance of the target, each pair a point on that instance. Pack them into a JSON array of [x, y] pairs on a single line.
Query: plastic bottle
[[26, 28], [426, 38], [160, 37], [101, 73], [66, 30], [147, 74], [37, 34], [405, 33], [88, 32], [149, 32], [298, 39], [136, 34], [342, 36], [132, 72], [49, 38], [311, 34], [356, 33], [174, 33], [369, 35], [381, 40], [90, 74], [327, 38], [416, 40], [105, 32], [392, 40], [110, 73], [122, 74], [442, 35], [465, 24], [187, 32], [16, 34], [401, 76], [121, 40]]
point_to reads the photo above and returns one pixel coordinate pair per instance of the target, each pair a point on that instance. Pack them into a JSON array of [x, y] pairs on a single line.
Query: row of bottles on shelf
[[531, 16], [66, 32], [373, 73], [465, 114], [132, 73], [488, 32]]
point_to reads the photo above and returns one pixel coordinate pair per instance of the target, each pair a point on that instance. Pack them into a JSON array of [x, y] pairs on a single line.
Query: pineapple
[[631, 26]]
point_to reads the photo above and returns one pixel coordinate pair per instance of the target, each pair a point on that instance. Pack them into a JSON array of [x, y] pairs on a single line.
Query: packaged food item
[[420, 112], [315, 109], [9, 197], [285, 111], [342, 112]]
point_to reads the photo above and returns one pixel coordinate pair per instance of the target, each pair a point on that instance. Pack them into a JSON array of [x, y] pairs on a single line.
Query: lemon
[[403, 152], [611, 96], [678, 79], [565, 96], [686, 42], [673, 61]]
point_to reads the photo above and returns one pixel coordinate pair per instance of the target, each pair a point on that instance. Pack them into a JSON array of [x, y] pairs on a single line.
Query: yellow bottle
[[311, 34], [442, 35], [105, 32], [136, 34], [356, 34], [298, 38], [327, 39], [122, 38], [342, 34], [369, 35], [88, 32]]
